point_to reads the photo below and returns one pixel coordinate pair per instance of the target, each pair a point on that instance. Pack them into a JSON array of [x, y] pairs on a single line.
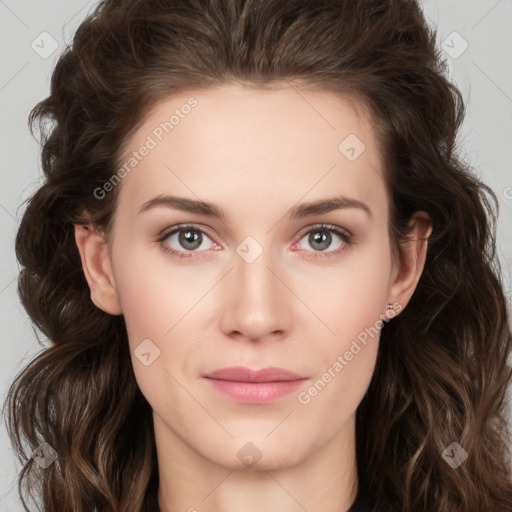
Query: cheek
[[160, 306], [155, 295], [350, 295], [352, 307]]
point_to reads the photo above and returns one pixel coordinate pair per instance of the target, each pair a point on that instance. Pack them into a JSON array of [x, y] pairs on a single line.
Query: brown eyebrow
[[184, 204], [303, 210], [327, 205]]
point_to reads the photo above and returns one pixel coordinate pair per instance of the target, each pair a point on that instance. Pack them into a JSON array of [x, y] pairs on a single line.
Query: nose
[[258, 304]]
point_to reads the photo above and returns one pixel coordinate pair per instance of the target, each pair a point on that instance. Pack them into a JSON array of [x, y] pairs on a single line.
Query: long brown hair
[[441, 373]]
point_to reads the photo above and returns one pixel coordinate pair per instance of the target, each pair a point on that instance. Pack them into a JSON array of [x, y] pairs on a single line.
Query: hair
[[441, 374]]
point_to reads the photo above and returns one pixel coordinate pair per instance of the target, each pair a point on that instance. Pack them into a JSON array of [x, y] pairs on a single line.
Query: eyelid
[[170, 230], [327, 227]]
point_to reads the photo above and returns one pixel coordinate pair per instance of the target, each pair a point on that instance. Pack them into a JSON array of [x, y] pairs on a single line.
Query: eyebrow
[[298, 212]]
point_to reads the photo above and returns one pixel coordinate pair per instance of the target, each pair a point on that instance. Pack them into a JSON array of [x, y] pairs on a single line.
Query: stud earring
[[390, 311]]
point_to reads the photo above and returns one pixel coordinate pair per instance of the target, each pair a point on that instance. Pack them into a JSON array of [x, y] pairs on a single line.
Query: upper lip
[[241, 374]]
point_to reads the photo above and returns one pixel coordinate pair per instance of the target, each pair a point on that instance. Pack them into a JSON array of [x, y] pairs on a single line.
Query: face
[[266, 281]]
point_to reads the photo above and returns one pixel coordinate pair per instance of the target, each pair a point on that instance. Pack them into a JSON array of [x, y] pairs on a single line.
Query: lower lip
[[255, 392]]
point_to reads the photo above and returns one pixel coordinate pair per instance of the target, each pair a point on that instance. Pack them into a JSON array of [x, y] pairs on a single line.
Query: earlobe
[[97, 268], [413, 254]]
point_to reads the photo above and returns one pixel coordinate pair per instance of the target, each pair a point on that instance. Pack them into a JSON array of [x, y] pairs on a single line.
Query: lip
[[242, 374], [254, 386]]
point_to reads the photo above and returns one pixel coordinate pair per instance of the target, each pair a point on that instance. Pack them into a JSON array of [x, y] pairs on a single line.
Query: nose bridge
[[256, 305], [252, 273]]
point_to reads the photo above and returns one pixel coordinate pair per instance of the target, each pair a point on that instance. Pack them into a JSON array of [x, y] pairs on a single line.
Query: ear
[[413, 254], [96, 264]]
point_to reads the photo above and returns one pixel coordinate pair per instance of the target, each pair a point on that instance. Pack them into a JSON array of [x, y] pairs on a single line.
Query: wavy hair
[[441, 373]]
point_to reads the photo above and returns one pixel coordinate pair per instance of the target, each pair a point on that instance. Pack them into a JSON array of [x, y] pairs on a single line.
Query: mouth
[[254, 386]]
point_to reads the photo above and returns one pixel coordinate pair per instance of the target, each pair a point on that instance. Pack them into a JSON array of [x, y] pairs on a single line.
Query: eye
[[321, 237], [185, 238]]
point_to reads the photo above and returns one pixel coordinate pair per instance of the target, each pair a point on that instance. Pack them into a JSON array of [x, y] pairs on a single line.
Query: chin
[[258, 455]]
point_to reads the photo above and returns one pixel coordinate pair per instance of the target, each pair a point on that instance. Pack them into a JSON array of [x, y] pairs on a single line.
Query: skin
[[255, 153]]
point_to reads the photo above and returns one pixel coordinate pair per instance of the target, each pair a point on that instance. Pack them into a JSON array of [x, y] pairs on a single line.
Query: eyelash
[[344, 235]]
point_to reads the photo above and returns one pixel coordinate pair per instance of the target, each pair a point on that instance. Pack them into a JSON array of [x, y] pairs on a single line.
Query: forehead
[[270, 143], [286, 111]]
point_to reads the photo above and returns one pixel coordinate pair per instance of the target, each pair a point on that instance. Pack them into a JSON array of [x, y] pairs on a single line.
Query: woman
[[268, 280]]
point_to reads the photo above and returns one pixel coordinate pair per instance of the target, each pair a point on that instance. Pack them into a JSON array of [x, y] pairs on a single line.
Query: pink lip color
[[254, 386]]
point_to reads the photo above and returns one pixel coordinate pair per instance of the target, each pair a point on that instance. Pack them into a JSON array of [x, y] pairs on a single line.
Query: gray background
[[28, 29]]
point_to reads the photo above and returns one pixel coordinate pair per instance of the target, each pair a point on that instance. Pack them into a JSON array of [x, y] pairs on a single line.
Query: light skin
[[257, 154]]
